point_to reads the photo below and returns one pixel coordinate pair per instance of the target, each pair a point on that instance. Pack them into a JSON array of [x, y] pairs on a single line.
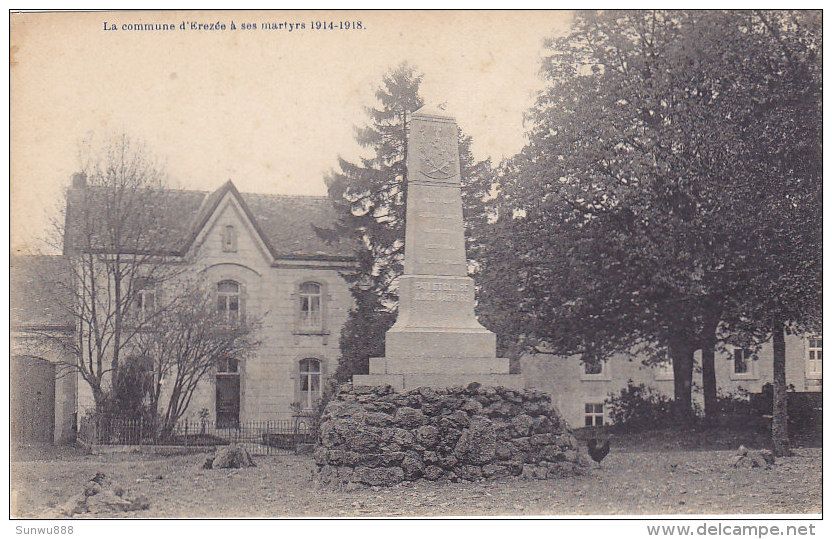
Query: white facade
[[299, 331], [578, 394]]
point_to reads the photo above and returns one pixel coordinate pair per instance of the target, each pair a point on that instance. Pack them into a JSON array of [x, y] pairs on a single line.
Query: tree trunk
[[118, 312], [98, 397], [709, 388], [682, 357], [780, 415]]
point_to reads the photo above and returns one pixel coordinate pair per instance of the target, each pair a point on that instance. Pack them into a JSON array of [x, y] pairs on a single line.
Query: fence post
[[296, 433]]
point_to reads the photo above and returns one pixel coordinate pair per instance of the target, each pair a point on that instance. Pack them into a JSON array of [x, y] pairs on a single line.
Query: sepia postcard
[[398, 264]]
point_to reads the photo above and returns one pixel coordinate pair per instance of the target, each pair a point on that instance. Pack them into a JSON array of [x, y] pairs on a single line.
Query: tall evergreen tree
[[370, 198]]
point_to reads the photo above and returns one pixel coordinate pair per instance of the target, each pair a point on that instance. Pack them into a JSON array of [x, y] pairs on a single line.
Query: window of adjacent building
[[814, 359], [594, 368], [663, 370], [310, 382], [742, 361], [310, 306], [743, 365], [594, 414], [143, 303], [229, 239], [228, 300]]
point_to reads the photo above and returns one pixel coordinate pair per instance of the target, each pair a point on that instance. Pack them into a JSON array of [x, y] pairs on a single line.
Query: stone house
[[262, 257], [42, 388], [579, 390]]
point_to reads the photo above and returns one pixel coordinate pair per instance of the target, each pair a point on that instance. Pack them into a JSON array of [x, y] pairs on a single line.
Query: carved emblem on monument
[[437, 157]]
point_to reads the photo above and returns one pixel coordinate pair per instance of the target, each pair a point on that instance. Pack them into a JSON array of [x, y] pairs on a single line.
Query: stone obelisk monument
[[437, 340]]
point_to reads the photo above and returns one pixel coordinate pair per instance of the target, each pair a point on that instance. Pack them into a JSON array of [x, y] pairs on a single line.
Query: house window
[[145, 302], [594, 414], [310, 382], [229, 239], [227, 366], [744, 367], [228, 300], [664, 370], [594, 368], [742, 361], [310, 306], [814, 359]]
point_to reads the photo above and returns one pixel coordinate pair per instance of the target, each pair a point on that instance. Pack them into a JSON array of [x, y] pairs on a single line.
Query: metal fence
[[285, 435]]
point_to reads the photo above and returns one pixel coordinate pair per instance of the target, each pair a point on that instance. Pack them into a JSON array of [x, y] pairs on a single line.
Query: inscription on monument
[[434, 215], [440, 291], [432, 200], [446, 261]]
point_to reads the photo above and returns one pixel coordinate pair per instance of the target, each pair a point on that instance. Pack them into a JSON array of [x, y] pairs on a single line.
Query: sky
[[271, 109]]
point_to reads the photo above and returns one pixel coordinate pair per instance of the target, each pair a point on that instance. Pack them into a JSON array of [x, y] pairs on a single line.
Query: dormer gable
[[226, 226]]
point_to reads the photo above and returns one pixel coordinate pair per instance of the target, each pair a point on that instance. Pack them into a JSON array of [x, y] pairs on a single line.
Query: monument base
[[378, 437], [431, 342], [406, 382], [419, 365]]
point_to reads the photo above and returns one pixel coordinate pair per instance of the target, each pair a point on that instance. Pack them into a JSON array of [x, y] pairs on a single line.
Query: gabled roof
[[38, 295], [283, 222]]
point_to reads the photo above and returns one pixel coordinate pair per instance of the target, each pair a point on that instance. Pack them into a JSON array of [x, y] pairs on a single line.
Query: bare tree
[[184, 343], [116, 238]]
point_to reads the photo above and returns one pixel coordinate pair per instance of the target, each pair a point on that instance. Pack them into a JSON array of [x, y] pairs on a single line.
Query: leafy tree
[[629, 207], [606, 214], [782, 133]]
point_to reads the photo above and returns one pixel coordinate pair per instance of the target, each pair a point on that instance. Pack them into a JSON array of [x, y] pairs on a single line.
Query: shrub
[[738, 403], [639, 407], [128, 397], [805, 409]]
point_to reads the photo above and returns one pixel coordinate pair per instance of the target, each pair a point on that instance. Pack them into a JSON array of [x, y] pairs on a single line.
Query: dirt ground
[[629, 481]]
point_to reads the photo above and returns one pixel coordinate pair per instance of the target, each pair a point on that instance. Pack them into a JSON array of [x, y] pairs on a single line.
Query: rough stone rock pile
[[232, 456], [374, 436], [101, 495], [751, 458]]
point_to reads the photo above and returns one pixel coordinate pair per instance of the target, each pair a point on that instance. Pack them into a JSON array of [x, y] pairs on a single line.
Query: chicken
[[598, 451]]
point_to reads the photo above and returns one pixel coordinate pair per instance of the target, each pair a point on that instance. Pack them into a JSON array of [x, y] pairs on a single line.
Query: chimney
[[79, 180]]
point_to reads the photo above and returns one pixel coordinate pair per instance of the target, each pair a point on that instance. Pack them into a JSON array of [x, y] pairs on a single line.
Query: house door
[[228, 400], [33, 400]]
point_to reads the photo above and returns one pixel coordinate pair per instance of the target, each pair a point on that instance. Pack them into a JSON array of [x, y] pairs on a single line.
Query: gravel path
[[628, 482]]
